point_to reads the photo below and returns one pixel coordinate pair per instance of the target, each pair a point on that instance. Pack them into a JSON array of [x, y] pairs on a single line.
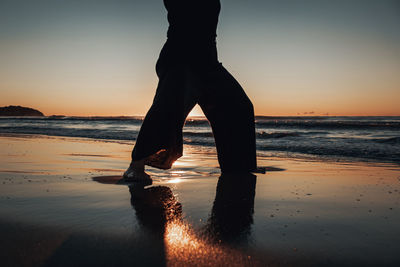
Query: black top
[[192, 19]]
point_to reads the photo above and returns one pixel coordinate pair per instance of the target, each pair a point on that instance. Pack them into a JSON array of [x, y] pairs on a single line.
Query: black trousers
[[189, 74]]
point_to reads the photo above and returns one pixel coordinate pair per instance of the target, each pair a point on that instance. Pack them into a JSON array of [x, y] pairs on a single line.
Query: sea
[[347, 139]]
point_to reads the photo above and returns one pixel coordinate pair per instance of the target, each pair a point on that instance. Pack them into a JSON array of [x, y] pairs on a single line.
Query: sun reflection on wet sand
[[184, 248], [177, 236], [215, 244], [178, 172], [179, 163], [175, 181]]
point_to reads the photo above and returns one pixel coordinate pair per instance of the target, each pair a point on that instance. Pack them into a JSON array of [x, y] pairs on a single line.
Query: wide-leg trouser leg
[[160, 137], [231, 116]]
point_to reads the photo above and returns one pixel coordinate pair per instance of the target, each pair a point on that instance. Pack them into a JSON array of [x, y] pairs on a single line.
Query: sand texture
[[60, 206]]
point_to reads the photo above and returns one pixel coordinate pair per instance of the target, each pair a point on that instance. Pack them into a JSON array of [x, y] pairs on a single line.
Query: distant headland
[[19, 111]]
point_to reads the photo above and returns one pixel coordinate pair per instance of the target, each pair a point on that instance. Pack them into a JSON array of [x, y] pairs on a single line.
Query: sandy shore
[[58, 207]]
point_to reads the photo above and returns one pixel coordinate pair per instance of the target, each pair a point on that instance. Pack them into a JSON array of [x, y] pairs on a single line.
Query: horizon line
[[202, 116]]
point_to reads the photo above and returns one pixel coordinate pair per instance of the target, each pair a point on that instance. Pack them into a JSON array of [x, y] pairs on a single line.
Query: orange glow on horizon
[[273, 109], [267, 102]]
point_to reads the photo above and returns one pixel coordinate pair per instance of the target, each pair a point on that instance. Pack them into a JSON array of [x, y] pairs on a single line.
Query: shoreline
[[337, 139], [211, 149]]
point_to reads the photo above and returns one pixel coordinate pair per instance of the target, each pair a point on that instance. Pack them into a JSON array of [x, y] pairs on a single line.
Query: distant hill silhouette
[[19, 111]]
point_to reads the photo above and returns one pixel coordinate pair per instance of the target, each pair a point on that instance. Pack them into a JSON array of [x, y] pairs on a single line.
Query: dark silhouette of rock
[[19, 111]]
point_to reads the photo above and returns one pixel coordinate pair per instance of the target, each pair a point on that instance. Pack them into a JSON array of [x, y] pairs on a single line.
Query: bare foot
[[136, 175]]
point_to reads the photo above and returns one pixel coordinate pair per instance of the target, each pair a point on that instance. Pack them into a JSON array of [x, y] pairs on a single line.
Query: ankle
[[138, 165]]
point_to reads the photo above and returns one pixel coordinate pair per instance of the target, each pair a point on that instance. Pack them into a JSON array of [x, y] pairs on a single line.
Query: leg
[[231, 116], [160, 136], [159, 142]]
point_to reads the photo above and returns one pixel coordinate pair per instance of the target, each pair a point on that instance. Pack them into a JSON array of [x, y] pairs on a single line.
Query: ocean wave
[[266, 135], [390, 140], [329, 123], [261, 135], [336, 125], [67, 132], [198, 134], [197, 122], [337, 151], [315, 136]]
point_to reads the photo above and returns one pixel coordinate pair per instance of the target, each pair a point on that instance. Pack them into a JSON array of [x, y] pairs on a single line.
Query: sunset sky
[[97, 57]]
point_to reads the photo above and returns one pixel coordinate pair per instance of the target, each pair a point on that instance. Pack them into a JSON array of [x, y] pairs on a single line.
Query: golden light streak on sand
[[175, 181], [184, 248], [177, 236], [179, 163]]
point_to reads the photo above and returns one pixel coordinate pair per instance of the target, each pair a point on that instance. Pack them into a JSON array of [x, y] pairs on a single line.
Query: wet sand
[[59, 207]]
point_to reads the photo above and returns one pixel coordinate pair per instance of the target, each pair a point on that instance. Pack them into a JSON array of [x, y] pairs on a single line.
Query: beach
[[60, 206], [303, 93]]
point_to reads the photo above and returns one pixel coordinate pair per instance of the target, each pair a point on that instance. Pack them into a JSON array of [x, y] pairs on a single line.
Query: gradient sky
[[97, 57]]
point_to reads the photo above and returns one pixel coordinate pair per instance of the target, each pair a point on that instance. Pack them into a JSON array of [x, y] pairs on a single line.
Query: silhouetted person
[[189, 74], [232, 213]]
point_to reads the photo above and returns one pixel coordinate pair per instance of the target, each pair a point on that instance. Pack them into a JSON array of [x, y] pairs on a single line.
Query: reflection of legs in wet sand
[[158, 212], [154, 207], [231, 216], [232, 213]]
